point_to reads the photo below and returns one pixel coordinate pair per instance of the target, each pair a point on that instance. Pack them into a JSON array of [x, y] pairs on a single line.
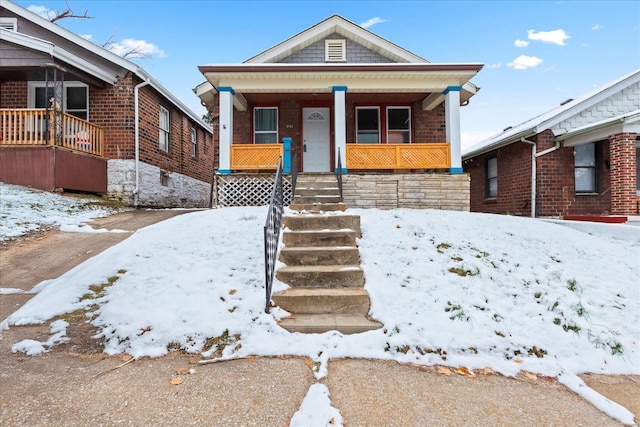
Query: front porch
[[48, 149]]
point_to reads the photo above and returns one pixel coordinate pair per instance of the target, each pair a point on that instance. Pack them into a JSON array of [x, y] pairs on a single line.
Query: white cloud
[[555, 37], [142, 48], [597, 27], [521, 43], [373, 21], [496, 65], [523, 62], [43, 11]]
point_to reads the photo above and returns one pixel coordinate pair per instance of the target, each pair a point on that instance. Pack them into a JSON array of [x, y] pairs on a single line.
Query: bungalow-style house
[[577, 160], [76, 117], [344, 98]]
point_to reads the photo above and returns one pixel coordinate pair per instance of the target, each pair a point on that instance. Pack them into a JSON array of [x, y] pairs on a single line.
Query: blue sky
[[536, 53]]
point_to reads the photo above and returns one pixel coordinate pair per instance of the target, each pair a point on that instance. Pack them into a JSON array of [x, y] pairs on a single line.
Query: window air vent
[[9, 24], [335, 50]]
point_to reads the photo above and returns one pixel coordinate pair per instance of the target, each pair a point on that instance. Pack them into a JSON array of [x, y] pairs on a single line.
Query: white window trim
[[399, 107], [31, 93], [194, 142], [335, 50], [255, 132], [166, 132], [487, 178], [368, 107]]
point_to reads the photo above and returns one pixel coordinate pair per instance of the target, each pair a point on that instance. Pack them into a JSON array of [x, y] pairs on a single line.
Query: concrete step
[[319, 255], [321, 276], [319, 238], [316, 199], [324, 301], [323, 222], [318, 207], [312, 192], [319, 323]]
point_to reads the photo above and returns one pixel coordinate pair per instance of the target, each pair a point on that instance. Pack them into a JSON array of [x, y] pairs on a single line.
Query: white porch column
[[340, 123], [225, 129], [452, 123]]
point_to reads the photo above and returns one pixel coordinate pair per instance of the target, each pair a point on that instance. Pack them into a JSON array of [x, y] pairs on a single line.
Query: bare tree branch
[[68, 13]]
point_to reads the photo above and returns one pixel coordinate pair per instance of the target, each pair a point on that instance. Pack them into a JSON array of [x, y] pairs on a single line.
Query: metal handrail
[[272, 229], [294, 170], [338, 173]]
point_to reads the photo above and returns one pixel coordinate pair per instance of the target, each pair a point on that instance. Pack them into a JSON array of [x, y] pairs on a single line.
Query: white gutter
[[534, 156], [137, 142]]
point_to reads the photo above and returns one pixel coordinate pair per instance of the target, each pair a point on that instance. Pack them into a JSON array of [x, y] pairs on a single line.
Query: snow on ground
[[25, 210], [451, 288]]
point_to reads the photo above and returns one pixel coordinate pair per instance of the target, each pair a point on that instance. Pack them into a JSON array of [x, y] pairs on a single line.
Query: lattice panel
[[249, 190], [369, 157], [398, 156], [255, 156], [434, 157]]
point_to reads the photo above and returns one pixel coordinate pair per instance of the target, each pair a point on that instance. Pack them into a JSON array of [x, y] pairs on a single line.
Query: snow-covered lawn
[[24, 210], [451, 288]]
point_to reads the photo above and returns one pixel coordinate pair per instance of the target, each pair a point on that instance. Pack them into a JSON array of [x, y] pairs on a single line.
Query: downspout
[[534, 156], [137, 143]]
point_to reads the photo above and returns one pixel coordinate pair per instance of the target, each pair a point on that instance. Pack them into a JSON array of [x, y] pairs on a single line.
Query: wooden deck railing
[[255, 156], [32, 127], [398, 156]]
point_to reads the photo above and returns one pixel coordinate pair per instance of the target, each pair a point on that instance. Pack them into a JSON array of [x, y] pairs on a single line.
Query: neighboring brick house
[[580, 158], [337, 90], [76, 117]]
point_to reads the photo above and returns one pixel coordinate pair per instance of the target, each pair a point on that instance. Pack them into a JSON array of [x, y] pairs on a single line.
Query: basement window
[[335, 50]]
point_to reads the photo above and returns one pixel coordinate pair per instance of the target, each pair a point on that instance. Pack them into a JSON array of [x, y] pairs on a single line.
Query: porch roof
[[427, 78]]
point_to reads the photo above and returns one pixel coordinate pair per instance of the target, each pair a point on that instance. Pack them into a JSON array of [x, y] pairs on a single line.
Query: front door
[[316, 140]]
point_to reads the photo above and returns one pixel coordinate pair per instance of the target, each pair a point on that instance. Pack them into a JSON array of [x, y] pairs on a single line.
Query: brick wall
[[555, 186], [13, 94], [514, 181], [623, 174]]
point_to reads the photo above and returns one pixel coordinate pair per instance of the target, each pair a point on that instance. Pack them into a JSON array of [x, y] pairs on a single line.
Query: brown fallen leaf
[[464, 371], [308, 362], [126, 357], [332, 421], [193, 361], [182, 371], [517, 360], [232, 291], [487, 371], [176, 381], [444, 371], [531, 376], [397, 225]]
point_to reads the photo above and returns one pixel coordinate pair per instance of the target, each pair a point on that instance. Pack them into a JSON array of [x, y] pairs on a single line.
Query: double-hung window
[[398, 125], [165, 129], [491, 178], [585, 168], [367, 125], [265, 125], [194, 142], [75, 98]]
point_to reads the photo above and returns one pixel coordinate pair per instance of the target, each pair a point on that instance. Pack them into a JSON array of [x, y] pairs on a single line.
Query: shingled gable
[[390, 60], [555, 119]]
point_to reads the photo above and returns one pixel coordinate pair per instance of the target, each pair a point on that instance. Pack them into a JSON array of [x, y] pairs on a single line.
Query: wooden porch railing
[[32, 127], [398, 156], [255, 156]]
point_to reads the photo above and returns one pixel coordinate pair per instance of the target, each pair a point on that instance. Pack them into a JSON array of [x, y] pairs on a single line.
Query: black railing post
[[272, 228]]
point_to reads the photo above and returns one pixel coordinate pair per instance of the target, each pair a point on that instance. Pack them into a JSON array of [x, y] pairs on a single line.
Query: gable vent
[[335, 50], [9, 24]]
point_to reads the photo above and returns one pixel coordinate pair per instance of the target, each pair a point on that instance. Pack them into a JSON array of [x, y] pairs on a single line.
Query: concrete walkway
[[76, 384]]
